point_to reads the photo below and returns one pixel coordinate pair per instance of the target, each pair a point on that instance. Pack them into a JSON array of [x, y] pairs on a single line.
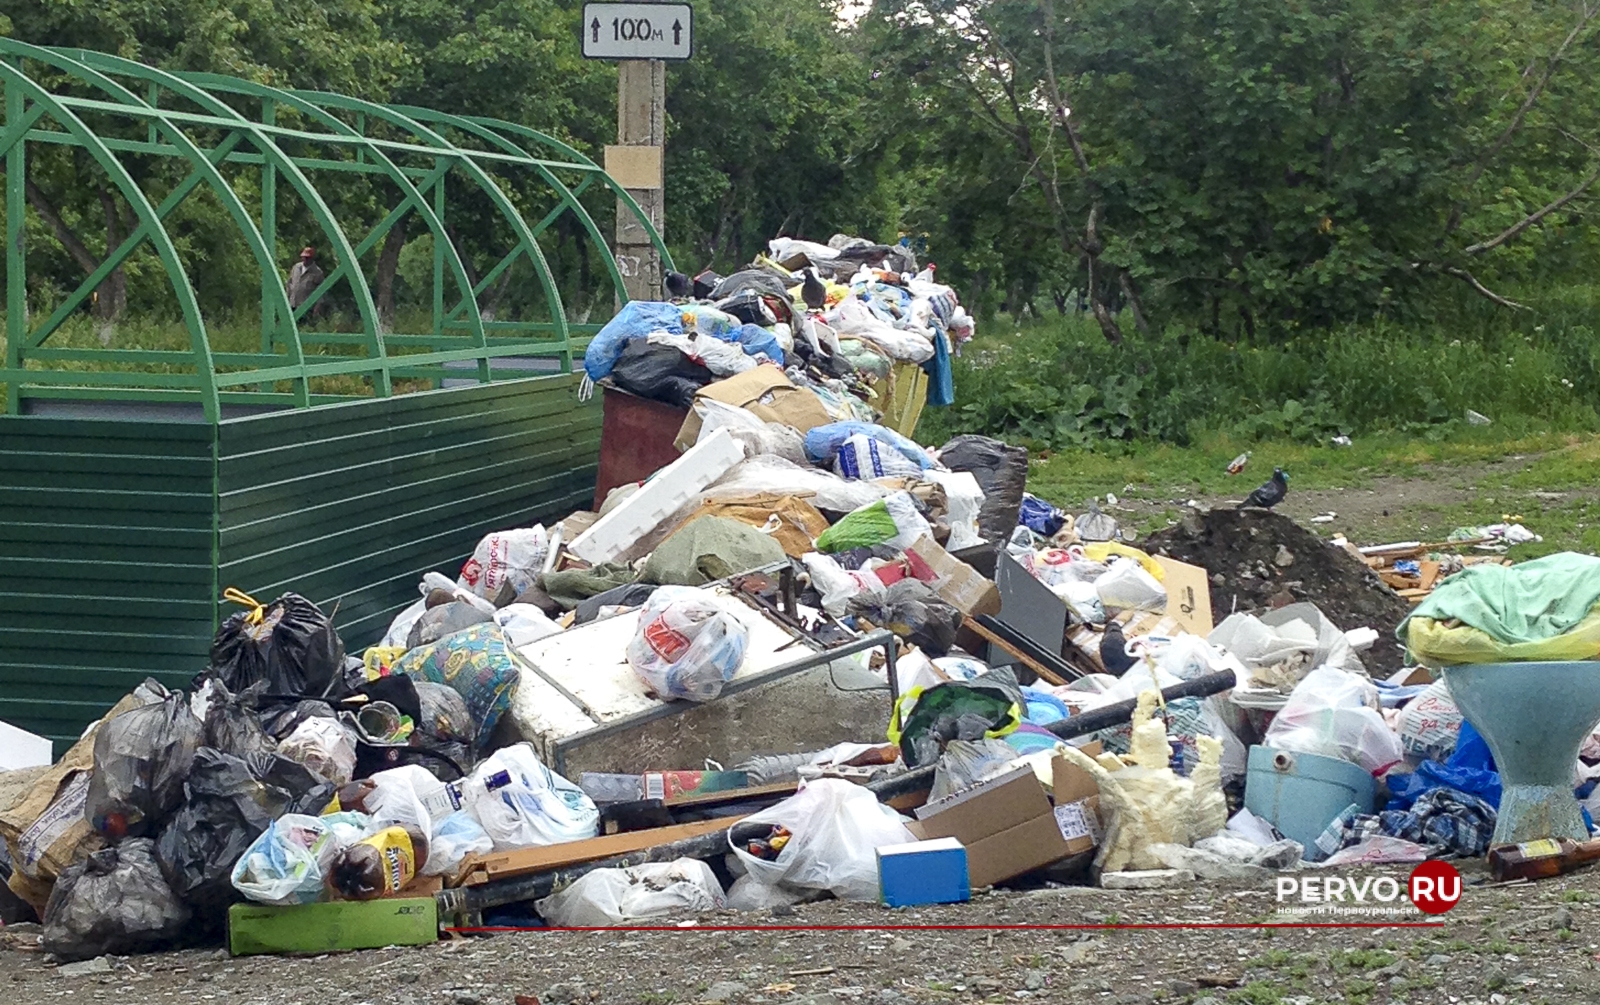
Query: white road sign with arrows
[[638, 31]]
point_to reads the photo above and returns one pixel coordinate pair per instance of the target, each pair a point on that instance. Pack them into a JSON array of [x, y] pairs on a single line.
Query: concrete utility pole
[[636, 163]]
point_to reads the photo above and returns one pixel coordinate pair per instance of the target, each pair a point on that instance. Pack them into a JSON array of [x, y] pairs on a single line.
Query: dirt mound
[[1259, 560]]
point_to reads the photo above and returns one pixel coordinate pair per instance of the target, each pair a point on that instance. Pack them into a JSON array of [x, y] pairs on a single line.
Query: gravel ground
[[1504, 945]]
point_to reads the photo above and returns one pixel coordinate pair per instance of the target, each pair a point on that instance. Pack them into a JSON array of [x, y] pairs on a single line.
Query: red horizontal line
[[943, 928]]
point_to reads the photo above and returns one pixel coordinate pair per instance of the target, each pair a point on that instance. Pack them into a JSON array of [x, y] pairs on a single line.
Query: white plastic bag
[[521, 803], [525, 624], [608, 897], [505, 556], [287, 863], [687, 646], [837, 828], [836, 583], [964, 499], [861, 456], [724, 359], [853, 317], [1430, 724], [395, 799], [454, 838], [753, 435], [1334, 713], [749, 894], [1125, 586], [322, 745]]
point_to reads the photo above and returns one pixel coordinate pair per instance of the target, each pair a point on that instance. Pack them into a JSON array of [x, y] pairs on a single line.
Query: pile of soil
[[1260, 560]]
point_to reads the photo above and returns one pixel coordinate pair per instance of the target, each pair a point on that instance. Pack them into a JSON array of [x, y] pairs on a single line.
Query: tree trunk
[[388, 263]]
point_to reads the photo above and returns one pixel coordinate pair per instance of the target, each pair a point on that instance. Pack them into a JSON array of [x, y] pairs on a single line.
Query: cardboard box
[[923, 872], [768, 393], [331, 926], [1006, 824], [957, 583], [1077, 809]]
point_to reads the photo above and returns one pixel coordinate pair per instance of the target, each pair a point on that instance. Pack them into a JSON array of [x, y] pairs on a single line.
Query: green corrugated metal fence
[[116, 538]]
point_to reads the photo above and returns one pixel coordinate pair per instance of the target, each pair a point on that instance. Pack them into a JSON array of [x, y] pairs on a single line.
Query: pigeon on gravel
[[1269, 494]]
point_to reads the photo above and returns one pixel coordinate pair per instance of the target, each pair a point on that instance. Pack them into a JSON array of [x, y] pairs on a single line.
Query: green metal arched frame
[[429, 151]]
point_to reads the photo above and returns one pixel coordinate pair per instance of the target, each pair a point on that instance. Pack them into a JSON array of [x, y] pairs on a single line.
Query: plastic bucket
[[1300, 794]]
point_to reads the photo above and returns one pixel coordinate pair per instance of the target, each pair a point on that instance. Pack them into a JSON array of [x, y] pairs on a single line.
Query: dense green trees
[[1243, 167]]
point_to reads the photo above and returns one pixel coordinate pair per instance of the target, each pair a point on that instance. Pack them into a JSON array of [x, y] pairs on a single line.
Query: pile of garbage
[[808, 334], [1059, 705], [1413, 568]]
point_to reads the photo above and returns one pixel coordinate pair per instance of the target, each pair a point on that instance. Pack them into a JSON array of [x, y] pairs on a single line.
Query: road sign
[[638, 31]]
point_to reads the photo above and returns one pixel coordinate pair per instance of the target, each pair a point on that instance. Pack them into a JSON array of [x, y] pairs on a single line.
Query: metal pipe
[[1091, 721]]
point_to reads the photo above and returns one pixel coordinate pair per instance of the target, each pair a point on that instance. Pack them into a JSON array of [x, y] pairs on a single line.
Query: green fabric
[[573, 586], [871, 524], [707, 549], [1529, 602]]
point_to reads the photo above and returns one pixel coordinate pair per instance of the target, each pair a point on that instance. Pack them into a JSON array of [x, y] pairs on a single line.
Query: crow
[[1114, 651], [679, 286], [1269, 494], [813, 292]]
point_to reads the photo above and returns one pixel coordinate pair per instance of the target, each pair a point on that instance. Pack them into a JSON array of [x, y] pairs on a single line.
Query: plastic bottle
[[380, 865]]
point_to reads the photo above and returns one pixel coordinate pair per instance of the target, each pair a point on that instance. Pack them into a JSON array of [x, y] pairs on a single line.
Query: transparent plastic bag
[[289, 861], [506, 559], [645, 892], [520, 803], [1126, 586], [1332, 712], [114, 901], [323, 746], [141, 759], [454, 838], [687, 646], [836, 584], [837, 828], [965, 763]]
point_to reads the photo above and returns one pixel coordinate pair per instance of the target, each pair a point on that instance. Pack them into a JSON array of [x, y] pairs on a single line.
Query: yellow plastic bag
[[377, 660], [1099, 551], [1436, 644]]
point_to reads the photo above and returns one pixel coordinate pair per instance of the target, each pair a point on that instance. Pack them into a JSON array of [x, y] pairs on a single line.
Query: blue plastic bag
[[1470, 769], [637, 319], [758, 341], [1039, 516], [823, 442]]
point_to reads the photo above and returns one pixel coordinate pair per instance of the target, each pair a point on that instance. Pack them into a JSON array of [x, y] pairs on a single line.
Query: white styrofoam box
[[22, 749], [590, 662], [664, 494]]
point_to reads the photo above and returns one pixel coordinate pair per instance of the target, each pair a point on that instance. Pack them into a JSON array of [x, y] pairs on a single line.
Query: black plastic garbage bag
[[288, 643], [281, 720], [114, 901], [960, 710], [141, 759], [659, 372], [911, 610], [229, 802], [749, 308], [1002, 473], [232, 723], [757, 280]]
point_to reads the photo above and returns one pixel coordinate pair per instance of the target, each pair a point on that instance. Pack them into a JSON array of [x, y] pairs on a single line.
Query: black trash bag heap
[[114, 901], [290, 644], [229, 802]]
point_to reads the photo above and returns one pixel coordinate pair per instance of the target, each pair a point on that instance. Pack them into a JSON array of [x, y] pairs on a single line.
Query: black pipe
[[1091, 721]]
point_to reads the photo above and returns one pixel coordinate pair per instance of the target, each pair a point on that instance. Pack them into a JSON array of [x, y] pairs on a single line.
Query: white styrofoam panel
[[668, 491]]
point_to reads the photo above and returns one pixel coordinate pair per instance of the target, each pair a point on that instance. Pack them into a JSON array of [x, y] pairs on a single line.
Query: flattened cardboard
[[505, 864], [1077, 811], [765, 391], [1188, 595]]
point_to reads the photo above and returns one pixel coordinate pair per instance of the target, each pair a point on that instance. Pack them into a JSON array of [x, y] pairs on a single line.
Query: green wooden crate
[[119, 534], [340, 924]]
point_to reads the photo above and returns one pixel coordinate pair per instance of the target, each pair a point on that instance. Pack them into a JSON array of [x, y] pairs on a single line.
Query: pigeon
[[679, 286], [1114, 651], [813, 292], [1270, 494]]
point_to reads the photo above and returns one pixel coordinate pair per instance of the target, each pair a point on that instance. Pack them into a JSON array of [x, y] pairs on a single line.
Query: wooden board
[[503, 865], [331, 926]]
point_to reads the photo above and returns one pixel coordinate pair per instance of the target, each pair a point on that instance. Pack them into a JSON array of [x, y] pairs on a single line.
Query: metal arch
[[265, 258], [208, 132], [411, 194], [558, 312], [569, 199], [545, 139], [200, 345]]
